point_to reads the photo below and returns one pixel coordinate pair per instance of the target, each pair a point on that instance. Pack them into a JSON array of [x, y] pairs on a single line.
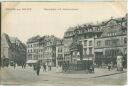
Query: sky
[[54, 18]]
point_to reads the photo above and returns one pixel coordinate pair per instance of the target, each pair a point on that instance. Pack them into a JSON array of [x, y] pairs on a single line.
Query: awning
[[31, 61]]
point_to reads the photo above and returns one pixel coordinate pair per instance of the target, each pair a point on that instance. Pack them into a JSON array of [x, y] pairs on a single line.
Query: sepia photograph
[[64, 43]]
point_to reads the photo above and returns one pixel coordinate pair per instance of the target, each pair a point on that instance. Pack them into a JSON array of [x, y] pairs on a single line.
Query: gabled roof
[[14, 39], [6, 38], [70, 29], [33, 39]]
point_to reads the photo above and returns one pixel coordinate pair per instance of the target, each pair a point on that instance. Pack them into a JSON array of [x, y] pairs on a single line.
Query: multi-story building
[[50, 50], [19, 51], [67, 41], [112, 41], [32, 48], [12, 49], [86, 35], [60, 53], [6, 51], [100, 41], [83, 35], [42, 48]]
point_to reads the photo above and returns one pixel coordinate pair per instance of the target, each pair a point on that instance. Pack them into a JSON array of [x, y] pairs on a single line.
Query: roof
[[33, 39], [70, 29], [7, 39], [14, 40]]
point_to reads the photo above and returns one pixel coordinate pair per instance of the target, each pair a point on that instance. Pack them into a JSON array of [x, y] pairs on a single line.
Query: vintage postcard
[[64, 43]]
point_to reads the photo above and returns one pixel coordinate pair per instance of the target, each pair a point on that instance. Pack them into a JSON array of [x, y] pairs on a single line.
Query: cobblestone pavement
[[99, 72], [28, 77]]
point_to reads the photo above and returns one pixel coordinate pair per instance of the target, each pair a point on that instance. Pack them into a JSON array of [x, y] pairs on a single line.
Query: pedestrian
[[44, 66], [50, 66], [92, 68], [34, 67], [65, 67], [88, 68], [109, 66], [14, 65], [24, 65], [38, 68]]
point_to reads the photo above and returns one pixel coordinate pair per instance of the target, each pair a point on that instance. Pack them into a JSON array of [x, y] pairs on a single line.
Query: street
[[19, 76]]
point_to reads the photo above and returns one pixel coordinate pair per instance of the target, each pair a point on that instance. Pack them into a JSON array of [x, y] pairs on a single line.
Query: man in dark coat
[[44, 66], [38, 68]]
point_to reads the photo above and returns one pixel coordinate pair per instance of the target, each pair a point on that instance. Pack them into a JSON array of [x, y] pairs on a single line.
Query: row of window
[[37, 45], [30, 51], [85, 43], [59, 50], [81, 31], [90, 51], [35, 50], [30, 45], [39, 56], [39, 50], [112, 34], [112, 42], [111, 52]]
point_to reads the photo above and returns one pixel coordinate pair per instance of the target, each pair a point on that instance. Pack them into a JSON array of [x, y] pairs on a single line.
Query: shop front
[[99, 57]]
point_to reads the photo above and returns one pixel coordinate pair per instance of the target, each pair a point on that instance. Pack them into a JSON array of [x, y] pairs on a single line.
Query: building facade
[[83, 35], [112, 42], [12, 49], [19, 51], [100, 42], [6, 51], [42, 48], [67, 41], [60, 53]]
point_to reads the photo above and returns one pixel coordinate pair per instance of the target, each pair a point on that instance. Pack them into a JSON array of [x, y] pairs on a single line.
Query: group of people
[[88, 67], [23, 65], [37, 67], [91, 68], [119, 63]]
